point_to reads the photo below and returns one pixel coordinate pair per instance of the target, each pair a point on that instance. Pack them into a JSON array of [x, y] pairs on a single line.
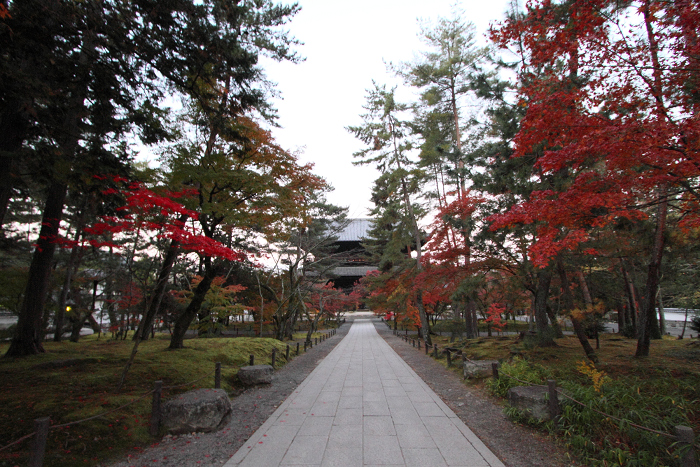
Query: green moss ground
[[75, 381]]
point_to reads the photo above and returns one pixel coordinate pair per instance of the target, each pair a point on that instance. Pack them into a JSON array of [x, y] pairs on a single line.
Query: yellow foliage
[[580, 314], [598, 377]]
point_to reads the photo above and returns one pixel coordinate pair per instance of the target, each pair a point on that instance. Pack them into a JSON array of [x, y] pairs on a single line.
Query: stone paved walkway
[[363, 406]]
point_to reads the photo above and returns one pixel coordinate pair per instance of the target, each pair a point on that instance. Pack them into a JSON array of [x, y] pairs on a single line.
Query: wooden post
[[298, 348], [494, 368], [554, 409], [685, 438], [449, 358], [155, 408], [217, 376], [252, 359], [304, 346], [41, 434], [435, 351], [315, 340], [274, 356], [286, 353], [419, 343], [427, 347]]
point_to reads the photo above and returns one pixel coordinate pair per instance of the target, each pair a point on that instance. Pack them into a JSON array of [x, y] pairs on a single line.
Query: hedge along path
[[684, 435], [42, 425]]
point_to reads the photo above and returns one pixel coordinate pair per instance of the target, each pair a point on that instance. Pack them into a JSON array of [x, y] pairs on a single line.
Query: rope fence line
[[449, 353], [177, 386], [37, 454], [143, 396], [18, 441]]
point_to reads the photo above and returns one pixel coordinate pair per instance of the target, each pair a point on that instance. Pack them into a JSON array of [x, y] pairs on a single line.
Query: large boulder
[[532, 399], [203, 410], [255, 374], [478, 368]]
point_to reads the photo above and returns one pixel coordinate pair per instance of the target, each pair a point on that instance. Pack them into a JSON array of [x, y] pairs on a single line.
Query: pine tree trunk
[[28, 334], [545, 335]]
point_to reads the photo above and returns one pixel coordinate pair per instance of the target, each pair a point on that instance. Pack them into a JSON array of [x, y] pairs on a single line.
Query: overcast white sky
[[345, 45]]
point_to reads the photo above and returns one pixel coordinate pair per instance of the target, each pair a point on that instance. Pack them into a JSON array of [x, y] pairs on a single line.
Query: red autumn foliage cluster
[[612, 113], [144, 210]]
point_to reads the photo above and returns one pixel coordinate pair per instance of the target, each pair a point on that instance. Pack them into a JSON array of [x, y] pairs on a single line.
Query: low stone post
[[252, 360], [494, 368], [449, 358], [41, 430], [155, 408], [685, 438], [298, 348], [435, 351], [286, 353], [274, 357], [426, 348], [554, 409], [217, 375]]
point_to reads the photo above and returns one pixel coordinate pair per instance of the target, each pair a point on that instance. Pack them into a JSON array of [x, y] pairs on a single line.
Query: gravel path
[[516, 446]]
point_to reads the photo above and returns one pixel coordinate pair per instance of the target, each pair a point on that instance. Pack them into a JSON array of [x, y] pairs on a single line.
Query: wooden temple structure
[[355, 260]]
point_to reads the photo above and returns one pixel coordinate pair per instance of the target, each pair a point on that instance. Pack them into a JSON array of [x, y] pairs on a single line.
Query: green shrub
[[695, 324], [613, 439], [605, 441], [520, 369]]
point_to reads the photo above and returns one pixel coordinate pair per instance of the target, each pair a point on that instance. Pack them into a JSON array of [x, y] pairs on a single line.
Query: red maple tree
[[612, 104]]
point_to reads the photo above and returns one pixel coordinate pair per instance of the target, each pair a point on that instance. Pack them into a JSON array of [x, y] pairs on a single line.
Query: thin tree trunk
[[569, 305], [662, 315], [159, 289], [71, 268], [630, 291], [685, 322], [648, 325], [183, 321]]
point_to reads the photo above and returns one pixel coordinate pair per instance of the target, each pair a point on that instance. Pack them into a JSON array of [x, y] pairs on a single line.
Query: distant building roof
[[353, 270], [355, 231]]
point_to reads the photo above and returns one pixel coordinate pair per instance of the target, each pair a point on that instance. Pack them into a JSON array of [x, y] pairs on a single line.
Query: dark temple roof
[[355, 231]]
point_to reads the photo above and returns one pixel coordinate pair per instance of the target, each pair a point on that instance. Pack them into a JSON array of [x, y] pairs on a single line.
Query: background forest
[[554, 172]]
